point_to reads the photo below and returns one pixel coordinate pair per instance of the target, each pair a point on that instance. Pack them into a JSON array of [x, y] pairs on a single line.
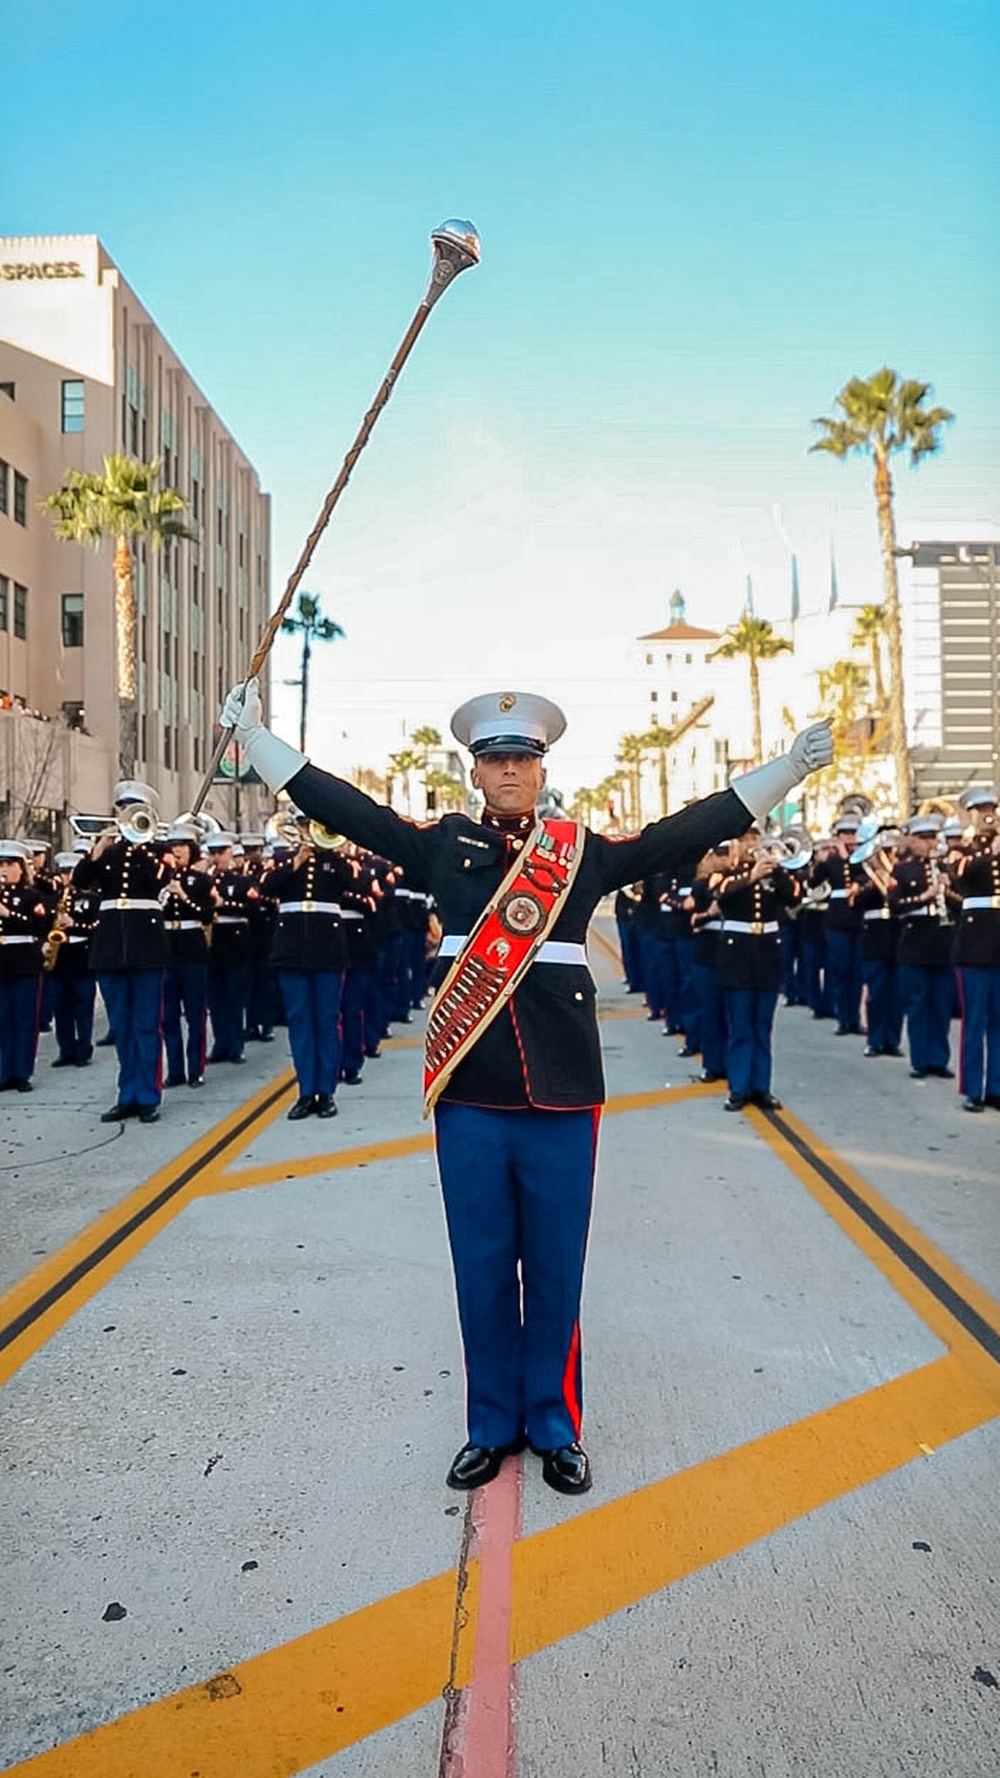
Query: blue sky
[[697, 224]]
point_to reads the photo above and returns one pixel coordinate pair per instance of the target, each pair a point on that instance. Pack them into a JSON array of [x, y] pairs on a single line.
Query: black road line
[[949, 1298], [43, 1303]]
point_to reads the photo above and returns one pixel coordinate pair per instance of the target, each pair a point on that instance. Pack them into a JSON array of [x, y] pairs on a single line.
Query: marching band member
[[812, 920], [977, 951], [879, 960], [25, 920], [74, 989], [513, 1062], [229, 951], [626, 909], [128, 952], [921, 899], [843, 925], [706, 924], [310, 956], [187, 916], [261, 914], [749, 966], [359, 909]]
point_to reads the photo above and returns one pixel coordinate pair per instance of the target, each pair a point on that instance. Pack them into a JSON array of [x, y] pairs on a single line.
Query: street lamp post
[[313, 627]]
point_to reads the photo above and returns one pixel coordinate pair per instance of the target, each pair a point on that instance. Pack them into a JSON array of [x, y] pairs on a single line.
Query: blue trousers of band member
[[416, 943], [353, 1004], [47, 1001], [711, 1019], [750, 1015], [312, 1002], [791, 963], [662, 977], [628, 940], [687, 993], [843, 954], [20, 1003], [228, 993], [517, 1188], [185, 991], [260, 996], [980, 1051], [386, 973], [134, 999], [927, 998], [73, 1013], [815, 976], [373, 1013], [885, 1007]]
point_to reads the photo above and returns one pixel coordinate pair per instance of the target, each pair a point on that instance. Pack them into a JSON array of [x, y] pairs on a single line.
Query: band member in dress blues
[[843, 926], [26, 916], [977, 951], [229, 964], [128, 952], [359, 910], [749, 966], [262, 914], [812, 921], [879, 951], [626, 910], [187, 916], [516, 1122], [922, 900], [310, 956], [706, 924], [45, 879], [74, 989]]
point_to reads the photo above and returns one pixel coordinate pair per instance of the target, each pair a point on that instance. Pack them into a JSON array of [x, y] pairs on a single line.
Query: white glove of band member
[[274, 760], [769, 784]]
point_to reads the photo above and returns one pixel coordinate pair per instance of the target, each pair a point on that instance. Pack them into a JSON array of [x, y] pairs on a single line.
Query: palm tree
[[880, 416], [448, 792], [423, 740], [401, 765], [632, 749], [869, 628], [583, 803], [841, 687], [607, 790], [125, 502], [753, 637]]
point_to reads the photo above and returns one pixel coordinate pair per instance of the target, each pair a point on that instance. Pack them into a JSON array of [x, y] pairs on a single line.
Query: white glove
[[274, 760], [769, 784]]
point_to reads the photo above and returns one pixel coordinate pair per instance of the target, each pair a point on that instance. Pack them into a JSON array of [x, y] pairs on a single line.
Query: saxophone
[[938, 884], [56, 937]]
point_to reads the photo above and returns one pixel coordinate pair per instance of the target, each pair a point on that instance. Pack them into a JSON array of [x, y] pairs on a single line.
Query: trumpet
[[138, 826], [876, 855], [283, 829]]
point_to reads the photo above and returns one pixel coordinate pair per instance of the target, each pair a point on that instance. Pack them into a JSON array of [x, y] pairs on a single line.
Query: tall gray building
[[950, 595]]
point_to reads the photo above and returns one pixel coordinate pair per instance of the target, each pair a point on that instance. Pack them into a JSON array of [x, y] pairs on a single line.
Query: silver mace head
[[456, 247]]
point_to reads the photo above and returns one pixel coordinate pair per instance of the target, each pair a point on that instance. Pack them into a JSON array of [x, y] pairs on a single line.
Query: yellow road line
[[33, 1309], [282, 1711], [932, 1310], [397, 1147]]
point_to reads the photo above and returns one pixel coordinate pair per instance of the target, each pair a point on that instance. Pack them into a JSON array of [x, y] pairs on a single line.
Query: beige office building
[[85, 372]]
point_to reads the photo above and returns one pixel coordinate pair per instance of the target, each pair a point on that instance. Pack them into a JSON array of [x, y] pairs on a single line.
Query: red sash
[[499, 949]]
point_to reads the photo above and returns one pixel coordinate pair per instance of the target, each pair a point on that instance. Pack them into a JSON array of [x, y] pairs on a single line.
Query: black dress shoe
[[941, 1073], [22, 1086], [352, 1078], [919, 1073], [374, 1055], [325, 1105], [476, 1464], [303, 1107], [971, 1104], [567, 1469], [705, 1076], [735, 1102], [766, 1101], [104, 1043], [266, 1037], [62, 1062], [197, 1080], [175, 1080], [992, 1100], [118, 1113], [688, 1051], [869, 1051], [149, 1114], [892, 1052]]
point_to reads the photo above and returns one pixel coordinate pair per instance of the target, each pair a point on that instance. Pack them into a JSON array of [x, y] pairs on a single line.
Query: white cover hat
[[508, 722]]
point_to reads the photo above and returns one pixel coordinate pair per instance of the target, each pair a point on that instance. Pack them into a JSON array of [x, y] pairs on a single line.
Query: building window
[[20, 611], [72, 405], [4, 601], [8, 389], [20, 499], [72, 620], [4, 486], [687, 660]]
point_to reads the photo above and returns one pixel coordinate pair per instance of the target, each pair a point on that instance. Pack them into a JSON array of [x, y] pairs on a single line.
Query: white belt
[[757, 927], [20, 938], [132, 901], [79, 938], [708, 926], [878, 913], [915, 913], [981, 901], [308, 907], [230, 919], [838, 894], [403, 895], [185, 926], [552, 951], [350, 914]]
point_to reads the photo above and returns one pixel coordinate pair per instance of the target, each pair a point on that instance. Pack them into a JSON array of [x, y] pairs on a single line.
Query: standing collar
[[508, 823]]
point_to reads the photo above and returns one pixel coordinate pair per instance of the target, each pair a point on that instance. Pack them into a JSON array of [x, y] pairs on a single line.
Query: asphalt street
[[232, 1385]]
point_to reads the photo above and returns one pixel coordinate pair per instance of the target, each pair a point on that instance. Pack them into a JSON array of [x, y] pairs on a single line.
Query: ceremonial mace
[[455, 246]]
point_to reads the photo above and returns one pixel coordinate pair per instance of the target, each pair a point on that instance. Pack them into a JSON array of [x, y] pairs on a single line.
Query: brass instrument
[[876, 856], [939, 883], [283, 829], [56, 937]]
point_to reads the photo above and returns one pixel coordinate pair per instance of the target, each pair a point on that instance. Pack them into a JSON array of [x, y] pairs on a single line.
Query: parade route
[[232, 1388]]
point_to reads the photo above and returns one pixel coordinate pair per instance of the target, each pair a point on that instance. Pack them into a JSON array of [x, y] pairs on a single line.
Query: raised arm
[[320, 795]]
